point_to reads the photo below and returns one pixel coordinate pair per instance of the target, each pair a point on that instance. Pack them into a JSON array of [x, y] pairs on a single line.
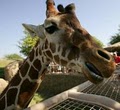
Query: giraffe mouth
[[94, 72]]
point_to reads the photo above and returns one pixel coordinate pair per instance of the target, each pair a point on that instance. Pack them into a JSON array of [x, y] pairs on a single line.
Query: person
[[116, 58]]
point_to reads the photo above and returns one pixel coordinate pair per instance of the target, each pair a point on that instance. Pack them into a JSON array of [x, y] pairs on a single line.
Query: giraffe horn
[[51, 10], [35, 30]]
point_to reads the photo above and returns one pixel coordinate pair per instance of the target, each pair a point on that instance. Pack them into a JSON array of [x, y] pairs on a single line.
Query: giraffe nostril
[[103, 54]]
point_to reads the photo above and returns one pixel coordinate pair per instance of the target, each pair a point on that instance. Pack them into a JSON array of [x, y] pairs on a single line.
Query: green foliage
[[27, 43], [115, 38], [13, 57], [99, 43], [36, 99], [4, 62]]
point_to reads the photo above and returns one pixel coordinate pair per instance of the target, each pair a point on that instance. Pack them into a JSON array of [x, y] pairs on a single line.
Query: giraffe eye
[[51, 29]]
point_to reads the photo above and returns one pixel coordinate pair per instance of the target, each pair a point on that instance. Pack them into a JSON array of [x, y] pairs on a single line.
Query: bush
[[27, 43], [13, 57]]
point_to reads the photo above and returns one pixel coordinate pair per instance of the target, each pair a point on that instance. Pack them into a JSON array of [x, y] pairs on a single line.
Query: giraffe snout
[[98, 64], [106, 64]]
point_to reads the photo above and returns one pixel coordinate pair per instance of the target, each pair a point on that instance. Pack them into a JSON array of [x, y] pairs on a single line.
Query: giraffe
[[64, 41]]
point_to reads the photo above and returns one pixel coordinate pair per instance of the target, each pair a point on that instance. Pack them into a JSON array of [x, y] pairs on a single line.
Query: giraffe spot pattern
[[37, 52], [2, 106], [74, 53], [10, 93], [46, 44], [15, 82], [53, 47], [40, 52], [49, 54], [64, 51], [26, 92], [33, 73], [24, 68], [63, 62], [31, 56], [56, 58], [37, 64]]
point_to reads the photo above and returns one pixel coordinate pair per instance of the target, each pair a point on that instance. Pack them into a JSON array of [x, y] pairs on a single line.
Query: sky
[[101, 18]]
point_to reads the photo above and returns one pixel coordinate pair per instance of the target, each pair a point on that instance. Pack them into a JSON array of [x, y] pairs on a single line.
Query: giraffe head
[[69, 44]]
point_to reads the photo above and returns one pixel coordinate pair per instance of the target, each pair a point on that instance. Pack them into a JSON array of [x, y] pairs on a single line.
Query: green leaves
[[13, 56], [27, 43], [115, 38]]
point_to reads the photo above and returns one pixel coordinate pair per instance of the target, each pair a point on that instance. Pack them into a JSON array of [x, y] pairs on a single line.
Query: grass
[[4, 62], [51, 85]]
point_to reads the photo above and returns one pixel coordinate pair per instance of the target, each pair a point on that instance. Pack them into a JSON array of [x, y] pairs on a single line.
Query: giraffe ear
[[61, 8], [70, 8], [35, 30]]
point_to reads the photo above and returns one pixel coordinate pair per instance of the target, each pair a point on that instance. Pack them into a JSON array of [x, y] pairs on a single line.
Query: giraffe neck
[[65, 55], [22, 87]]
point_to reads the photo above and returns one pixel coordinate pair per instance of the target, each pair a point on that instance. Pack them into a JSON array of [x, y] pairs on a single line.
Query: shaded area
[[55, 84]]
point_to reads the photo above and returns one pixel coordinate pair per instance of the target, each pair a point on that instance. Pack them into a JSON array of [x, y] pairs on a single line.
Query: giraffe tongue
[[93, 69]]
